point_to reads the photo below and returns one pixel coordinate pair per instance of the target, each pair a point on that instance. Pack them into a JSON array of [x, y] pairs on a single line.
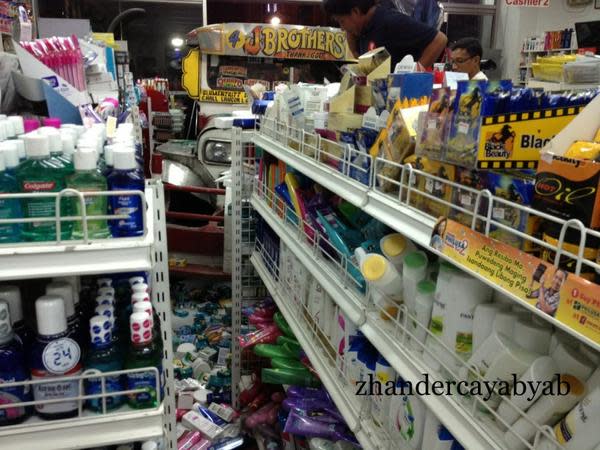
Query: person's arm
[[433, 51]]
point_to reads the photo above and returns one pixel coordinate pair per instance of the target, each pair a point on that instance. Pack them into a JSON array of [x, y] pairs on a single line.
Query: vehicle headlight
[[217, 152]]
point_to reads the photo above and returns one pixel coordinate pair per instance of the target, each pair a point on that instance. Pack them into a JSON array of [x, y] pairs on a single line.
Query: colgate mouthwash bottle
[[56, 149], [142, 353], [11, 156], [103, 356], [125, 177], [12, 369], [87, 178], [12, 295], [9, 208], [39, 173], [54, 354]]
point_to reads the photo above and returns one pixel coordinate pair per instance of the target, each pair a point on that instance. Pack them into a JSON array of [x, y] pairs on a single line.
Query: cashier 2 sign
[[528, 3]]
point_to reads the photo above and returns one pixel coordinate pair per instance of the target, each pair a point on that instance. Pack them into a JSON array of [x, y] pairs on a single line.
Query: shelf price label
[[576, 302]]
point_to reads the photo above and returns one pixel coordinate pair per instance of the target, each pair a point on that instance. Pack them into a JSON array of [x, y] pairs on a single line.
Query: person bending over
[[369, 25], [466, 58]]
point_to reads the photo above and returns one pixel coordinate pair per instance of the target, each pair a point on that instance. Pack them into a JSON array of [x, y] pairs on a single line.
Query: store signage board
[[528, 3], [268, 41], [577, 302]]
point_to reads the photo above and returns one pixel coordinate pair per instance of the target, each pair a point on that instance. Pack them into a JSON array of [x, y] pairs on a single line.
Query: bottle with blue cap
[[54, 355], [9, 208], [125, 177], [103, 357], [12, 370]]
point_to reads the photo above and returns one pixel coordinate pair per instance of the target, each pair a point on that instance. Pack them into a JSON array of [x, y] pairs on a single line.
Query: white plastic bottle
[[414, 269], [395, 247], [542, 370], [483, 322], [422, 313], [578, 430], [532, 336], [380, 404], [384, 277], [547, 410], [570, 361]]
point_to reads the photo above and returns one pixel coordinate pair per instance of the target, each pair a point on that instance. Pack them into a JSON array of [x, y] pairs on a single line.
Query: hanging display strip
[[310, 336], [411, 347], [411, 201], [61, 253]]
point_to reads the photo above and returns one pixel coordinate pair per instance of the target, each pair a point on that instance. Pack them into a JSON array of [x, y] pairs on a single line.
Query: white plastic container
[[380, 406], [483, 322], [547, 410], [407, 419], [395, 247], [533, 337], [570, 361], [504, 322], [578, 430], [385, 280], [422, 313], [435, 435], [414, 269], [543, 369]]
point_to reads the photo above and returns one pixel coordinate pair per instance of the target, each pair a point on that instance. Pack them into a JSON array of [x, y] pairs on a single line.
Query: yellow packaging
[[433, 187], [583, 150], [597, 137]]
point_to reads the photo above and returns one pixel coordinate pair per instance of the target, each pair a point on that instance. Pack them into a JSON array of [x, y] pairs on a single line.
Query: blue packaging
[[12, 369], [125, 177]]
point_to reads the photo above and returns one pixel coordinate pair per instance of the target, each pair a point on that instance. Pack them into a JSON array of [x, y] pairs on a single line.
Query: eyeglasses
[[461, 60]]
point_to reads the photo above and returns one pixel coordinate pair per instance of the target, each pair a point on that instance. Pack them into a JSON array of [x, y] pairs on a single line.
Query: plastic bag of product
[[283, 325], [289, 376], [266, 335], [304, 426]]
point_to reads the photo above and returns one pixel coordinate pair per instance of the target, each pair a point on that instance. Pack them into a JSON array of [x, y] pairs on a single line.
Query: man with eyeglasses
[[466, 58]]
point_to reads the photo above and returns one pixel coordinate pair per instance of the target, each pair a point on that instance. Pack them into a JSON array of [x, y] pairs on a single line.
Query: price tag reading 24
[[61, 355]]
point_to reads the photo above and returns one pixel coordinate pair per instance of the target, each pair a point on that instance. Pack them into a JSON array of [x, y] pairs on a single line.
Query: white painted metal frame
[[395, 207], [149, 253]]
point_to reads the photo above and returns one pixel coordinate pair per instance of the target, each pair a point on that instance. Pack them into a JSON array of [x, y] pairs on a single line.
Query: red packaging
[[202, 445], [188, 440]]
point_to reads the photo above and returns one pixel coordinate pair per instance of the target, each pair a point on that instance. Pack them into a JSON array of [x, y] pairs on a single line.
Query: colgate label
[[39, 185]]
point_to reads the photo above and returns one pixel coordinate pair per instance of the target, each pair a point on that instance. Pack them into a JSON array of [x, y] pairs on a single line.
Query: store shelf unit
[[558, 86], [69, 258], [394, 204]]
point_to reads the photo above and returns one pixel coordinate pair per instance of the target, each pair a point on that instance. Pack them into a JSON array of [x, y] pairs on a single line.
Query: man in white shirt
[[466, 58]]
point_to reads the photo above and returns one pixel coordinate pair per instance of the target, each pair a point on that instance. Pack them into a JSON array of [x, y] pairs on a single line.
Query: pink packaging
[[30, 125], [202, 445], [52, 122], [188, 440]]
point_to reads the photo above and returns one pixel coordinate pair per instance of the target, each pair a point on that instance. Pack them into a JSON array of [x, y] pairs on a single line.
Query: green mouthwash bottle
[[56, 149], [103, 356], [9, 208], [142, 353], [87, 178], [39, 173]]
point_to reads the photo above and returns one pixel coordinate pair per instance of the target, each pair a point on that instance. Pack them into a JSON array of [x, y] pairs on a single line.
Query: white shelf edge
[[418, 227], [463, 426], [106, 256], [346, 187], [344, 297], [339, 395], [86, 432]]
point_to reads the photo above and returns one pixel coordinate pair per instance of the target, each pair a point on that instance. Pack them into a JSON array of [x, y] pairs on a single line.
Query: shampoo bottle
[[414, 269], [547, 410], [578, 430], [384, 277], [395, 247], [380, 406], [422, 313], [103, 357], [87, 178], [12, 370], [54, 354]]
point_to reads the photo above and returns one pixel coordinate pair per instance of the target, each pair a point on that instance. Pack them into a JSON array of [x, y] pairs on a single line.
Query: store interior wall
[[515, 24]]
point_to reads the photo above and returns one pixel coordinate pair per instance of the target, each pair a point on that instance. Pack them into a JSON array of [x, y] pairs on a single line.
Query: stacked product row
[[64, 347], [53, 158], [455, 322]]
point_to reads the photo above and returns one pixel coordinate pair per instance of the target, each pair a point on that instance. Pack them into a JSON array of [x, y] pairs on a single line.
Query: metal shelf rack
[[49, 259]]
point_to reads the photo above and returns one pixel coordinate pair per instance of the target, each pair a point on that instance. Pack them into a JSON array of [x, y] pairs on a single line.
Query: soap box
[[433, 187], [568, 189], [466, 199]]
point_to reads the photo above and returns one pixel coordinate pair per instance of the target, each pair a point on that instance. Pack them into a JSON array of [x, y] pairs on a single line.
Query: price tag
[[498, 213], [429, 185], [432, 124], [439, 186], [61, 355], [111, 126], [412, 179], [466, 199], [463, 128]]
